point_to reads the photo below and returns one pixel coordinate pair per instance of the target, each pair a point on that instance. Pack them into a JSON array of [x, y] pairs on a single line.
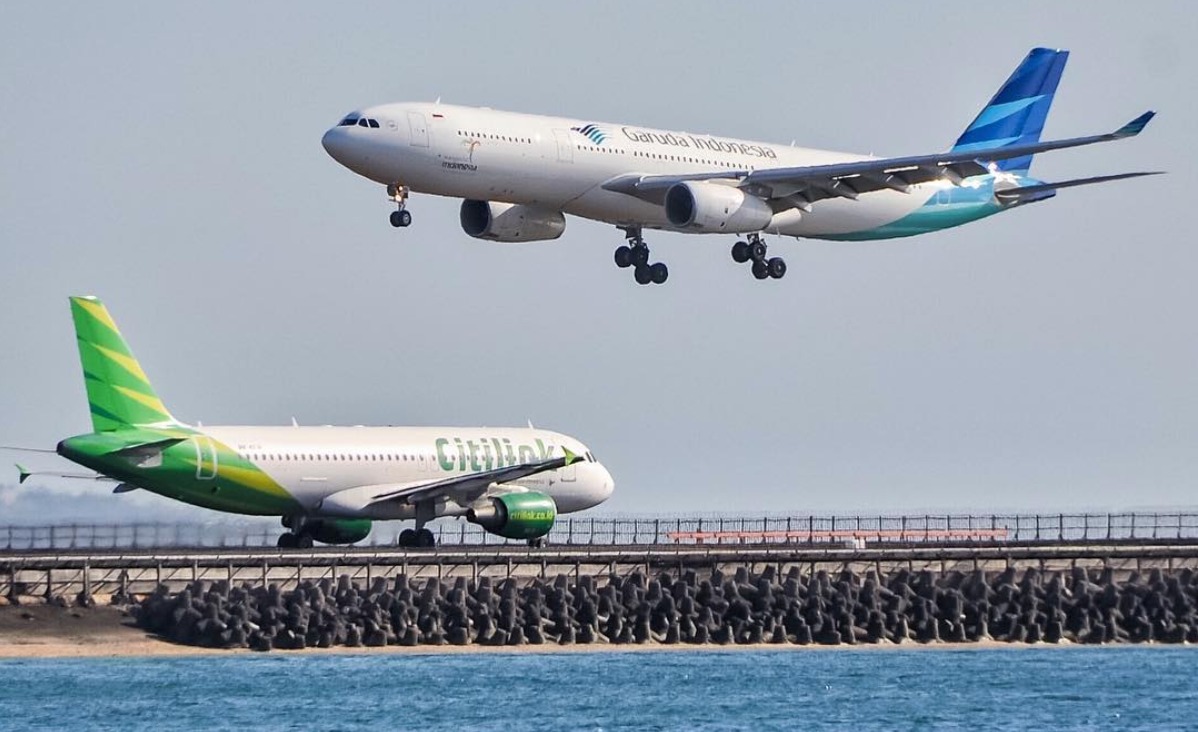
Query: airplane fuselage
[[561, 164], [295, 470]]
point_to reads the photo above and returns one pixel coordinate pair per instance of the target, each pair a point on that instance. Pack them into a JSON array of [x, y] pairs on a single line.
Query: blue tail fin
[[1016, 114]]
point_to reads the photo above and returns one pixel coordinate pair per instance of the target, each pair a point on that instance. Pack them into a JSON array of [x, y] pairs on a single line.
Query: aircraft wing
[[463, 488], [801, 186]]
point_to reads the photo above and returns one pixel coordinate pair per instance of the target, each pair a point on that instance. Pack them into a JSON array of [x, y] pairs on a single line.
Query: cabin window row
[[337, 457], [501, 138], [660, 156]]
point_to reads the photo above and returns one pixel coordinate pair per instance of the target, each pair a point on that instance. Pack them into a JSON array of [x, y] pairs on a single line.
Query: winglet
[[1136, 126], [22, 474]]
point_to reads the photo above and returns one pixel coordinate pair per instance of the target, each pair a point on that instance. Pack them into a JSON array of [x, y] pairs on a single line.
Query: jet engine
[[711, 208], [510, 222], [515, 515], [338, 531]]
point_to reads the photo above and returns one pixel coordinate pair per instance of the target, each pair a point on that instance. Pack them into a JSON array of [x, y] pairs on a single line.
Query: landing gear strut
[[754, 250], [399, 194], [635, 254]]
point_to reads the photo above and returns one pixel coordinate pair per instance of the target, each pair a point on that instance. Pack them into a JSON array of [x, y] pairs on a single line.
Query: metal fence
[[859, 530]]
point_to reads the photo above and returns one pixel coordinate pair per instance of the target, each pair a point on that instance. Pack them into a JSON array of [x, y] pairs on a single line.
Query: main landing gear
[[302, 540], [399, 194], [417, 539], [420, 537], [298, 537], [755, 250], [635, 254]]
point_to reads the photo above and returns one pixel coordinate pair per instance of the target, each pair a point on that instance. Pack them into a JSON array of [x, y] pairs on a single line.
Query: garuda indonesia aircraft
[[519, 174], [327, 483]]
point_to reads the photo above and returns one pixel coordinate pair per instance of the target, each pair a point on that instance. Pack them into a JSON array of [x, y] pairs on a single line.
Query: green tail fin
[[118, 391]]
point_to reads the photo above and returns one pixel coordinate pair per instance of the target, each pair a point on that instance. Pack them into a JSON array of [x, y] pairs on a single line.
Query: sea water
[[1124, 688]]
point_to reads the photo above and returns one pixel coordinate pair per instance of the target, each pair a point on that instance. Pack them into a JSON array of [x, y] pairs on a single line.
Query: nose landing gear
[[754, 250], [635, 254], [399, 195]]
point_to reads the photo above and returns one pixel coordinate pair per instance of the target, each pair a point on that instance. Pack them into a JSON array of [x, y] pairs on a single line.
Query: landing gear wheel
[[407, 538], [740, 252], [776, 267], [425, 539], [400, 219], [761, 270], [623, 256], [303, 541], [640, 255], [539, 543], [757, 250], [288, 541], [642, 274], [658, 273]]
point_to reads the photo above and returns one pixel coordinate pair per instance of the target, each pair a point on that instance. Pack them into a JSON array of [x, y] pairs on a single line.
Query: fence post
[[656, 531]]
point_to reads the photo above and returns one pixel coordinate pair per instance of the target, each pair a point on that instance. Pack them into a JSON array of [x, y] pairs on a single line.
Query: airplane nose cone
[[609, 485], [334, 144]]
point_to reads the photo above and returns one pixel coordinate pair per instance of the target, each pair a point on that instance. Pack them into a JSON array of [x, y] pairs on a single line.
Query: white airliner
[[327, 483], [519, 174]]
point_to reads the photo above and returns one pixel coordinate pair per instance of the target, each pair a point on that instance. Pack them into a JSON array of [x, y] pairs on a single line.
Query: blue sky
[[167, 159]]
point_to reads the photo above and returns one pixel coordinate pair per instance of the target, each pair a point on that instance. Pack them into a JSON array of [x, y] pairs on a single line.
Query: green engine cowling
[[515, 515], [338, 531]]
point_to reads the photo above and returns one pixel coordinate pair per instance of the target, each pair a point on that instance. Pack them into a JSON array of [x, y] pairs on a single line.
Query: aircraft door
[[206, 460], [565, 148], [568, 474], [419, 127]]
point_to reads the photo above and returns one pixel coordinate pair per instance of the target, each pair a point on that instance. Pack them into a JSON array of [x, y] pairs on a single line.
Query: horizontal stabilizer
[[24, 474], [1045, 190]]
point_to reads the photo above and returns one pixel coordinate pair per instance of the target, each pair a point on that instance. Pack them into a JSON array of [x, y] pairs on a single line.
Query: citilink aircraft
[[327, 483], [519, 174]]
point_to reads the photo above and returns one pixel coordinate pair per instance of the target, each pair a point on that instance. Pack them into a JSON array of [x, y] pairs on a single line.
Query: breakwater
[[690, 607]]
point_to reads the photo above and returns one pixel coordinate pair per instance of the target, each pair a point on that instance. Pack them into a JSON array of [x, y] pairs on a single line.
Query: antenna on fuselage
[[294, 423]]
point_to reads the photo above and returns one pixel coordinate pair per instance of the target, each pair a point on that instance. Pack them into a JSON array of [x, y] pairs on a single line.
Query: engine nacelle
[[515, 515], [711, 208], [338, 531], [510, 222]]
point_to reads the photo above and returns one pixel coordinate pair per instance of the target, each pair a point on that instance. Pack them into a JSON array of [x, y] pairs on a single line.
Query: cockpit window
[[352, 121]]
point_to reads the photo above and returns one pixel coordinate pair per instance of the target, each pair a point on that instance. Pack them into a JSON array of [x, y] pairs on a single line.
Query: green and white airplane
[[327, 483]]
